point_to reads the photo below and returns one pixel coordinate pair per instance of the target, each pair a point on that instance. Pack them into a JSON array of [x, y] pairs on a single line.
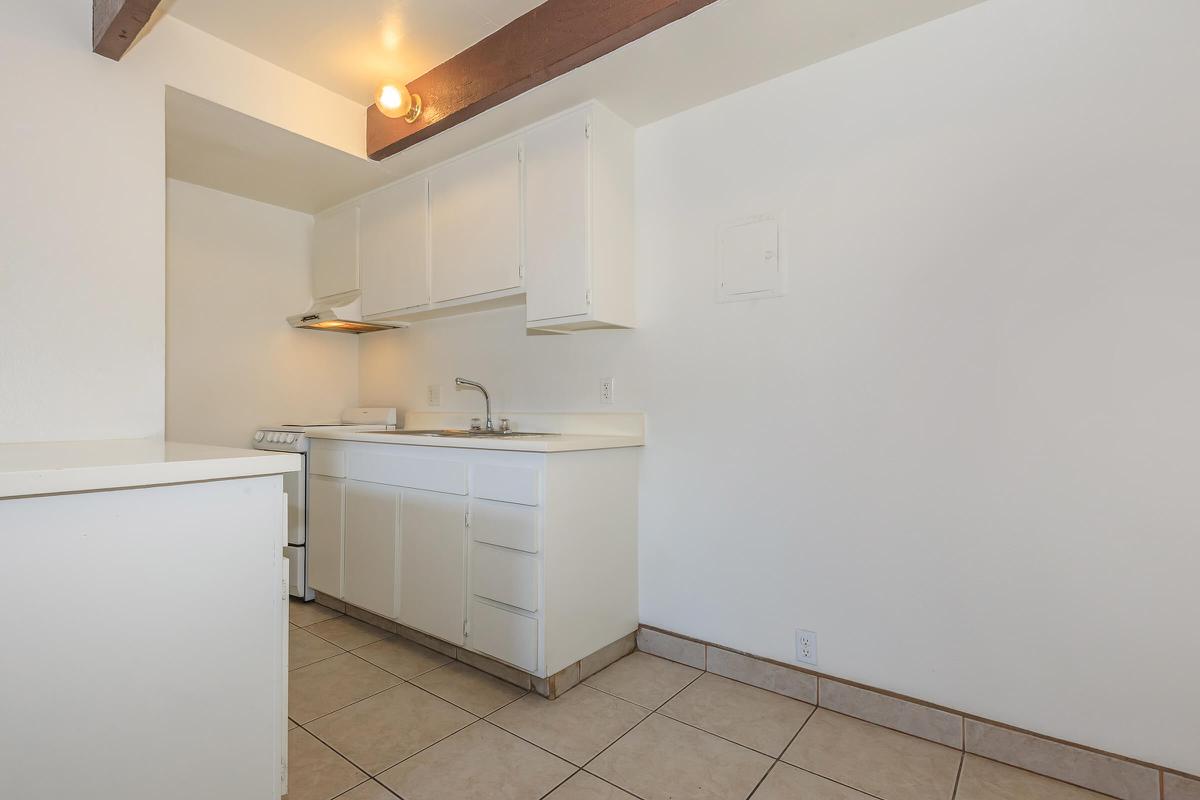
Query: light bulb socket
[[414, 110]]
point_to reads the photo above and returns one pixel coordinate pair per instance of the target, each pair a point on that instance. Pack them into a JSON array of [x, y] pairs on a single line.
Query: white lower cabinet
[[504, 634], [372, 534], [432, 555], [528, 558], [326, 532]]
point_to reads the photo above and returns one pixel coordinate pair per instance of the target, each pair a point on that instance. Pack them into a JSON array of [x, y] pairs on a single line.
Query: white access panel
[[749, 260]]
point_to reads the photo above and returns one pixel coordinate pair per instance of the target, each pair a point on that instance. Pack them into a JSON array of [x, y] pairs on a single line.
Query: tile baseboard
[[1108, 773], [1177, 787]]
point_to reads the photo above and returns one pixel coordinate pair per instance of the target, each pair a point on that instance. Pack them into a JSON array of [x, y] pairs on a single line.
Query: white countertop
[[38, 468], [554, 443], [566, 432]]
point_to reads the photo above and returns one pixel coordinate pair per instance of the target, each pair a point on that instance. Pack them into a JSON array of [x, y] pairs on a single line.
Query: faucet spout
[[487, 401]]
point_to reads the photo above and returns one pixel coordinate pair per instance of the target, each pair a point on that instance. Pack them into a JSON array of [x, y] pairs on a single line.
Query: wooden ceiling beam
[[116, 23], [550, 40]]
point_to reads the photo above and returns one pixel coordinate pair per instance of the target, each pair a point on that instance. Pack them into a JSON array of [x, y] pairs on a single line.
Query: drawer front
[[507, 484], [505, 524], [505, 635], [448, 477], [505, 576], [331, 463]]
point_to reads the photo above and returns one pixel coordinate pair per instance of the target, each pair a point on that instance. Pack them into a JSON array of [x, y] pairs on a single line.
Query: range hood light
[[340, 314]]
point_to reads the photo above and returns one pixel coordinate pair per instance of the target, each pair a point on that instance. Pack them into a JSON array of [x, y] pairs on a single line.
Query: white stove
[[293, 439]]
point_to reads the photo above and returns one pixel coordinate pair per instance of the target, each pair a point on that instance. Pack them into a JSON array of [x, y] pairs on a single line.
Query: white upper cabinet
[[392, 248], [579, 222], [556, 219], [544, 215], [335, 252], [475, 223]]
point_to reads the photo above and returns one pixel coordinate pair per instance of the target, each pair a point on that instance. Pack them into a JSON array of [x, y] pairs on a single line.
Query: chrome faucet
[[487, 401]]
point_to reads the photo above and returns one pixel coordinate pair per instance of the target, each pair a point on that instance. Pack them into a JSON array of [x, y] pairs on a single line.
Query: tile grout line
[[368, 697], [336, 753], [779, 757], [635, 727], [809, 771], [962, 761]]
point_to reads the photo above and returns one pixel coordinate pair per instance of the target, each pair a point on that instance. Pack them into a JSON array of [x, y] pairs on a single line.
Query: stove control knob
[[291, 437], [258, 437], [274, 437]]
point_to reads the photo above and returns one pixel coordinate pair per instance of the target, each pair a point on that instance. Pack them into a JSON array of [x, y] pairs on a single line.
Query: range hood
[[341, 313]]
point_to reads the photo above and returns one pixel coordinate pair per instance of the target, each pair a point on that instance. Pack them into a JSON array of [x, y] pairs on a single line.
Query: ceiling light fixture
[[394, 100]]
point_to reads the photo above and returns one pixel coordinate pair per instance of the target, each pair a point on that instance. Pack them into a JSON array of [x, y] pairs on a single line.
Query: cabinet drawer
[[505, 635], [327, 462], [508, 484], [505, 576], [447, 477], [505, 524]]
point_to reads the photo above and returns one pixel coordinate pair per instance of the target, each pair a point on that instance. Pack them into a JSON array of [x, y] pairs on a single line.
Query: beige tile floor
[[377, 717]]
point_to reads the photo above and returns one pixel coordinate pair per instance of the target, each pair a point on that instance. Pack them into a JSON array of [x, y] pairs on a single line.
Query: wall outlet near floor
[[433, 395], [806, 647], [606, 390]]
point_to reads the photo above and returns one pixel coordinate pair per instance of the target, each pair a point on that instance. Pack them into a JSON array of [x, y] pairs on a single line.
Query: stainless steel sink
[[451, 433]]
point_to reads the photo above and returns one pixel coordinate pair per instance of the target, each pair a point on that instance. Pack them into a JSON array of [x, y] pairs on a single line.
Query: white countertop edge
[[528, 444], [45, 468]]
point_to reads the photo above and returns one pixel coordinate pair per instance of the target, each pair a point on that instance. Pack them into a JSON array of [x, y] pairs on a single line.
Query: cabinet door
[[433, 563], [335, 252], [556, 218], [326, 508], [372, 518], [392, 248], [475, 224]]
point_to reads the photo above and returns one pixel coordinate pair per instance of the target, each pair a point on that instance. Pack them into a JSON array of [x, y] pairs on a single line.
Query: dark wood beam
[[552, 39], [116, 23]]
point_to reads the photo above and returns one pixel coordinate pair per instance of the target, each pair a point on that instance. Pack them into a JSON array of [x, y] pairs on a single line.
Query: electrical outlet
[[806, 647], [433, 394], [606, 390]]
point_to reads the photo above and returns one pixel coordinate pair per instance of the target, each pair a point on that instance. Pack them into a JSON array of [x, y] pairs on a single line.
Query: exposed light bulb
[[394, 100]]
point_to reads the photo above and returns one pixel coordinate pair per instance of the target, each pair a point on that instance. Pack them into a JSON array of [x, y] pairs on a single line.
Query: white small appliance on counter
[[292, 438]]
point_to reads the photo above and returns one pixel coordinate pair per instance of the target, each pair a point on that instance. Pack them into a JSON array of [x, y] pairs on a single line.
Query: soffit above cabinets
[[213, 146]]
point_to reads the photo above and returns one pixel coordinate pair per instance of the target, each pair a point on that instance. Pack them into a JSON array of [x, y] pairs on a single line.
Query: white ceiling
[[348, 46], [720, 49]]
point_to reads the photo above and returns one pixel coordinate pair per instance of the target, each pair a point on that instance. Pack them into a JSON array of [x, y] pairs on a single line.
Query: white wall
[[963, 448], [82, 208], [236, 269]]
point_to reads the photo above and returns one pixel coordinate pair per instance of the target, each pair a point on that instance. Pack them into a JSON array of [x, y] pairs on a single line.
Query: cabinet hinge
[[520, 153], [521, 270], [587, 129], [588, 296], [466, 628], [467, 518]]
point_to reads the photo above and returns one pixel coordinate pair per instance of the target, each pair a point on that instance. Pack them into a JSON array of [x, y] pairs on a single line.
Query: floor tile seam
[[456, 705], [775, 763], [368, 697], [292, 669], [962, 760], [373, 776], [635, 727]]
